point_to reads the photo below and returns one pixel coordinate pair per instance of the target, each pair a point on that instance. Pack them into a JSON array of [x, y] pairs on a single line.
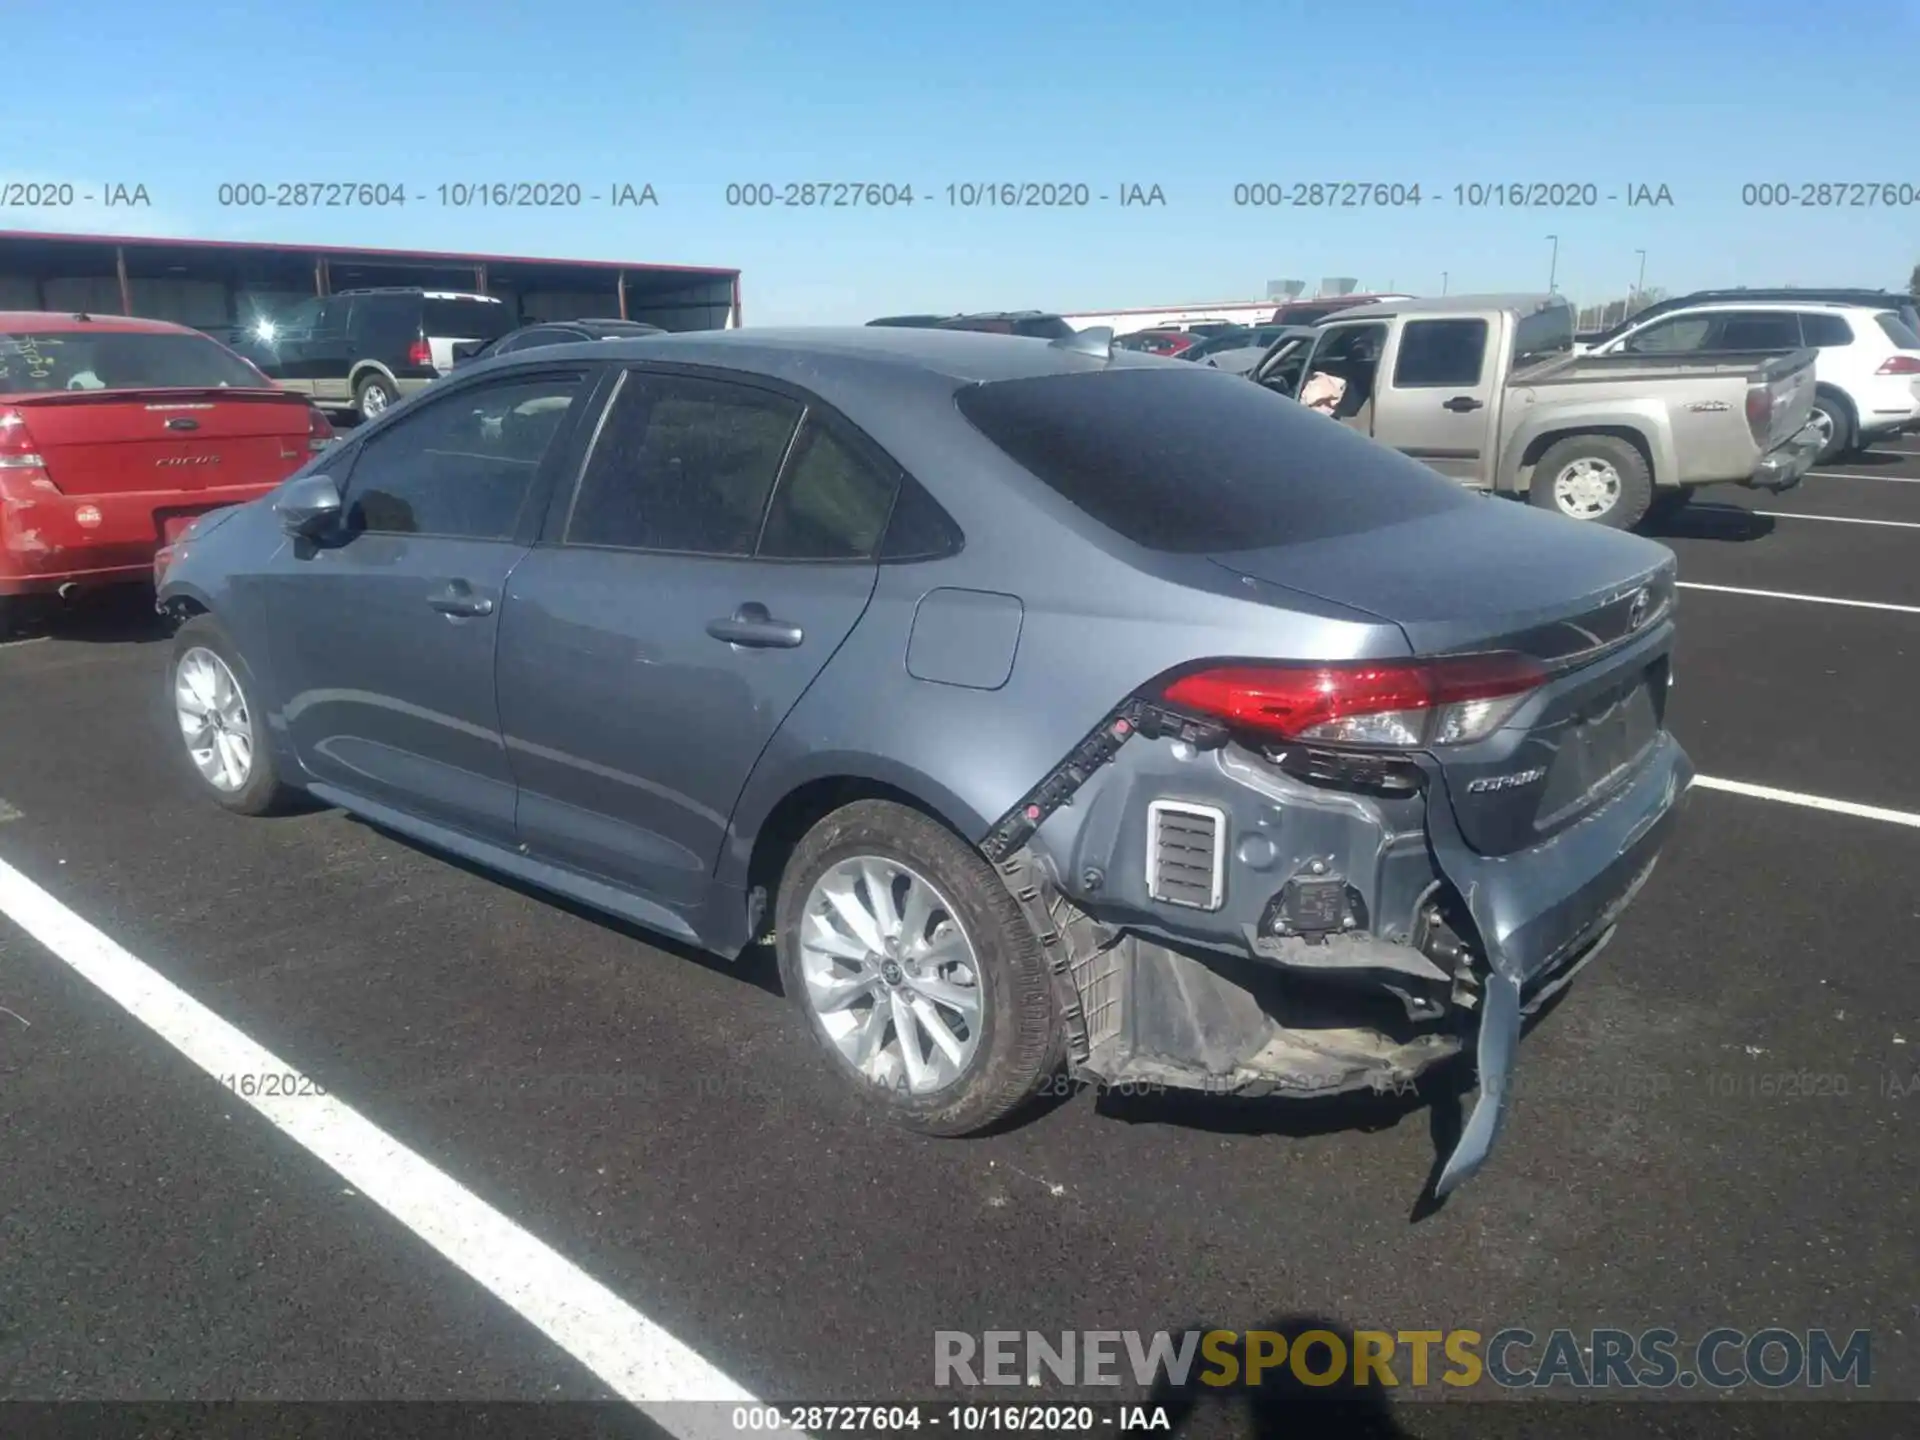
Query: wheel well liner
[[1540, 444]]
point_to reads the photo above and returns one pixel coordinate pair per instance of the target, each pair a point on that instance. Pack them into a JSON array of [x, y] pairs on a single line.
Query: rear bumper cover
[[1785, 467], [1544, 913], [48, 539]]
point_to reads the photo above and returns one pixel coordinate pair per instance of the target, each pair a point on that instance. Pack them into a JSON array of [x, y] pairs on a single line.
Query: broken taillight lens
[[1453, 700], [319, 429]]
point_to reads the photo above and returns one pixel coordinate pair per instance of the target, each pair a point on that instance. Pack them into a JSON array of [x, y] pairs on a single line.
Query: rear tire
[[1014, 1027], [372, 395], [228, 751], [1599, 479], [1836, 419]]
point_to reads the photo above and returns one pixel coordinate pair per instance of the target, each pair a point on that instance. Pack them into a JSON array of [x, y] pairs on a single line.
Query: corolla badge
[[1487, 783]]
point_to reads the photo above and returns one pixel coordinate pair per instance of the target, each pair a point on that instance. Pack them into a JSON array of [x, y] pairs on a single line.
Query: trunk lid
[[1592, 605], [104, 442]]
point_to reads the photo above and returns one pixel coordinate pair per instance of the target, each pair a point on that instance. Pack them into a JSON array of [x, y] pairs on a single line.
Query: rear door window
[[1823, 327], [1676, 335], [683, 464], [1756, 330], [832, 503], [1449, 353], [1188, 460]]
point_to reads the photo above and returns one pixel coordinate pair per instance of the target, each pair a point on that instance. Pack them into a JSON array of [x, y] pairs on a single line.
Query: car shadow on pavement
[[1872, 459], [119, 616], [1279, 1403], [1441, 1093], [1710, 522]]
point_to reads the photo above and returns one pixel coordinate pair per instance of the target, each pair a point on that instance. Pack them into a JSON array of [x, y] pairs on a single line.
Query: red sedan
[[115, 433]]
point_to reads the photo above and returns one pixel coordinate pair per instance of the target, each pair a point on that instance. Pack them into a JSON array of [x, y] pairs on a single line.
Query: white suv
[[1867, 376]]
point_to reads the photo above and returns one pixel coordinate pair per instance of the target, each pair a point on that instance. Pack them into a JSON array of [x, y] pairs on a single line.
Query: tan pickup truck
[[1487, 389]]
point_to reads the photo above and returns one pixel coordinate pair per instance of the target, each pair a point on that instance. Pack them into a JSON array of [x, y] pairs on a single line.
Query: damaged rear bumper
[[1227, 1002], [1543, 913]]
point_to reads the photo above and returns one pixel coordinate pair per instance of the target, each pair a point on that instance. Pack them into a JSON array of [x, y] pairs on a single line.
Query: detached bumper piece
[[1785, 467], [1239, 1028]]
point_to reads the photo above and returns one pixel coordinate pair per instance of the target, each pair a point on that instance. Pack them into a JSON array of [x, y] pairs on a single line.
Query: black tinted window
[[684, 465], [465, 319], [1677, 335], [1757, 330], [919, 528], [832, 505], [1189, 459], [463, 466], [1440, 352], [1823, 327]]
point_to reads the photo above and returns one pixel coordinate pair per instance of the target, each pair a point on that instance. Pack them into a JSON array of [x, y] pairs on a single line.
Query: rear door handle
[[458, 599], [751, 625], [1460, 404]]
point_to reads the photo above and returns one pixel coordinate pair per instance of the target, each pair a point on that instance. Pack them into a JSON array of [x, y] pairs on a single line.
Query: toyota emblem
[[1637, 611]]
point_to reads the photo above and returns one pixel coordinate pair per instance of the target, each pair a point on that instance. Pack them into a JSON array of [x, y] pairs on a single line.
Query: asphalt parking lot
[[1714, 1128]]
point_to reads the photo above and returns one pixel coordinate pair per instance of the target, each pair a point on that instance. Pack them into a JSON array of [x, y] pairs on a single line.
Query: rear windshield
[[34, 361], [1191, 460], [466, 319], [1542, 336], [1899, 331]]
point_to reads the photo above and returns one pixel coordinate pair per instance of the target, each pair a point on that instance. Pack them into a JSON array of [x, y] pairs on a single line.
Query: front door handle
[[752, 625], [1460, 404], [458, 599]]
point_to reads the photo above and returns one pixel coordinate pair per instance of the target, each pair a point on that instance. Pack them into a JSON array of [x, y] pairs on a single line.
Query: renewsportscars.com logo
[[1513, 1358]]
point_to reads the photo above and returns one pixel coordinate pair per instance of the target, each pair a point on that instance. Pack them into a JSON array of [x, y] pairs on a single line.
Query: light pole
[[1641, 283], [1553, 265], [1443, 282]]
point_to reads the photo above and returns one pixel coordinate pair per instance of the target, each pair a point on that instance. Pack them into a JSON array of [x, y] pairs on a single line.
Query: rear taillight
[[18, 449], [420, 353], [1900, 365], [319, 429], [1760, 413], [1454, 700]]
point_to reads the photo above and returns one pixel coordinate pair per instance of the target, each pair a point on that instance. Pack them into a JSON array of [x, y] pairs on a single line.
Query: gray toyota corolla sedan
[[1056, 711]]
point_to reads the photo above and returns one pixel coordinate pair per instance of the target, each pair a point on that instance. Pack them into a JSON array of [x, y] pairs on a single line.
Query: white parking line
[[1811, 802], [1810, 599], [29, 640], [1851, 475], [1841, 519], [635, 1357]]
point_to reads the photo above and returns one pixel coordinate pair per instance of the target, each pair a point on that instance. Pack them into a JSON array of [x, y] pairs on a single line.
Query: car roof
[[1734, 302], [1525, 303], [66, 321], [800, 354]]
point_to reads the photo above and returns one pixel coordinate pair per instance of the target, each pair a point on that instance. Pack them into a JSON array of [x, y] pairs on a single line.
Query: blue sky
[[1699, 96]]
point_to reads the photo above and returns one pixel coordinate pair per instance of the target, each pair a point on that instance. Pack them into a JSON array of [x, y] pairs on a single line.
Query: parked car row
[[1867, 344], [1488, 390]]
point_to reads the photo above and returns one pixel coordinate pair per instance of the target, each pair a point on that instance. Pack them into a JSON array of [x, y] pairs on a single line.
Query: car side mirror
[[309, 506]]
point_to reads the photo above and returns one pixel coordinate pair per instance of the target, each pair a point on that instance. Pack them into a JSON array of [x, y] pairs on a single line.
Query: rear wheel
[[915, 969], [372, 395], [1834, 418], [1598, 478], [222, 729]]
